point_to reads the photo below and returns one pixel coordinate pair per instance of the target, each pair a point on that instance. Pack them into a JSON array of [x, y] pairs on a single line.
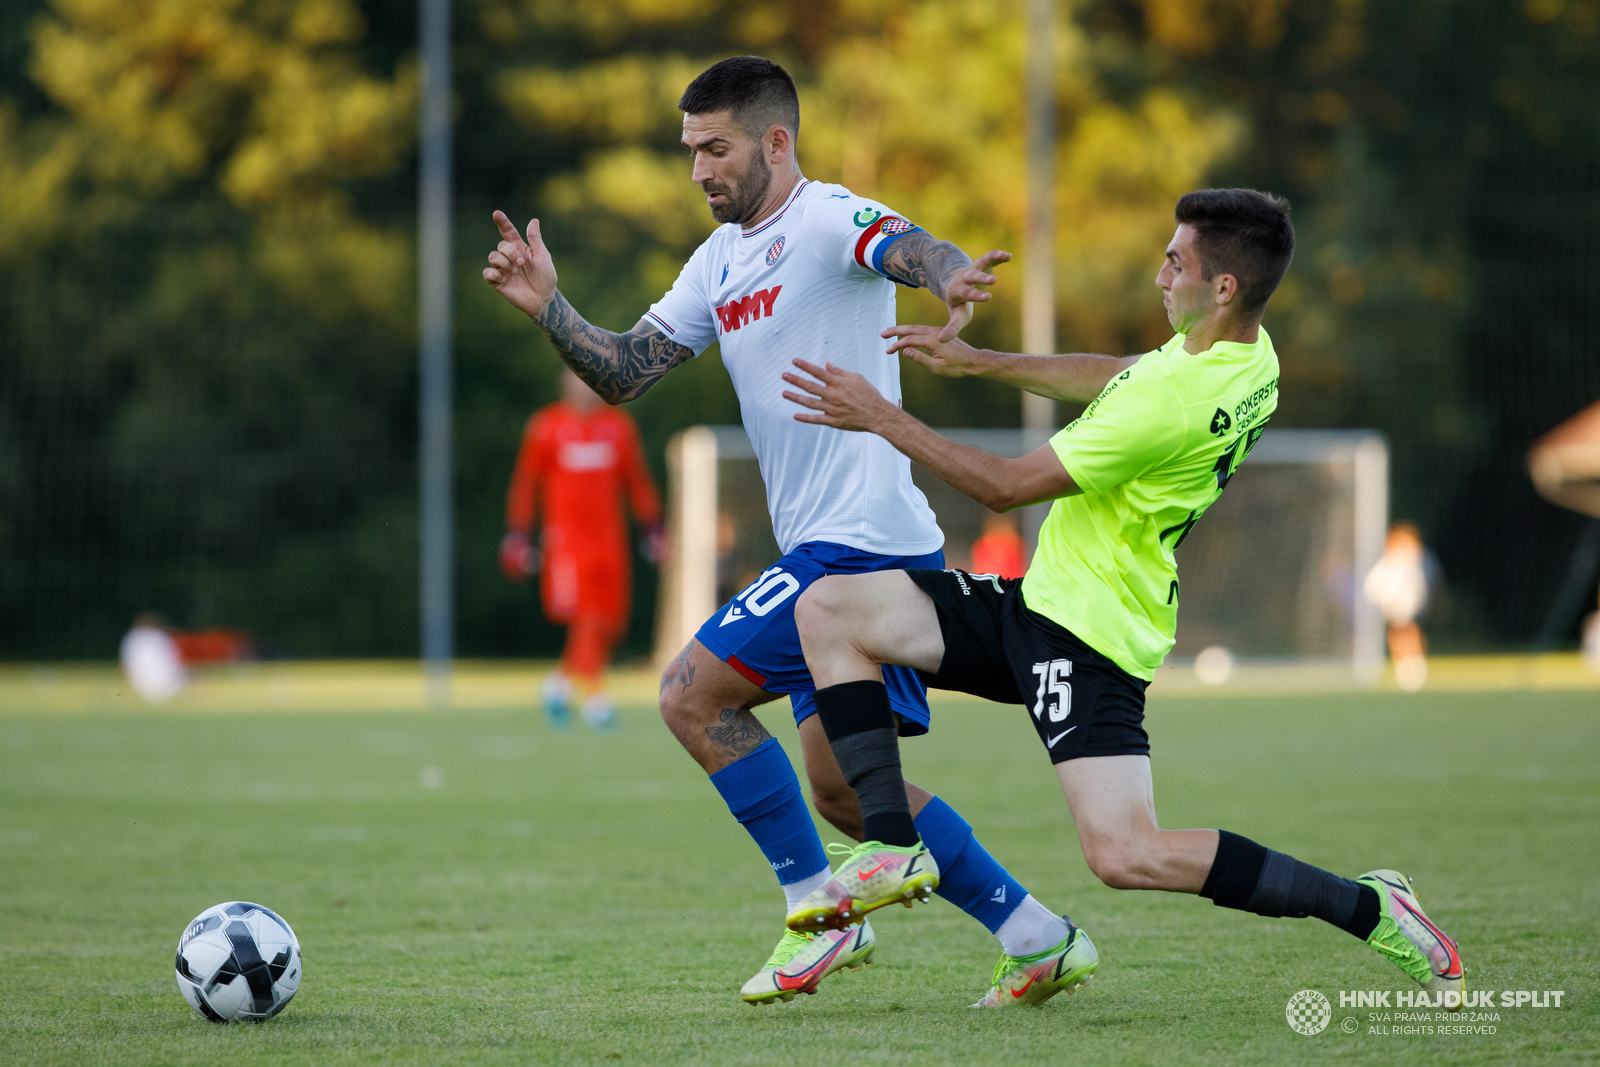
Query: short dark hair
[[1244, 233], [759, 93]]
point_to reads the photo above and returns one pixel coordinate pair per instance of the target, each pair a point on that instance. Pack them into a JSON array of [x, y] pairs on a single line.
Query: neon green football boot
[[873, 875], [1409, 938], [802, 960], [1028, 981]]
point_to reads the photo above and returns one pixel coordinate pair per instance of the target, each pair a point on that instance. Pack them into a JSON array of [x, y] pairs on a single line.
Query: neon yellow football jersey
[[1151, 454]]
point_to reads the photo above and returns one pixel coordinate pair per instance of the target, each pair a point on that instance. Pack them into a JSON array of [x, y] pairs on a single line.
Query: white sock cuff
[[1031, 929], [795, 892]]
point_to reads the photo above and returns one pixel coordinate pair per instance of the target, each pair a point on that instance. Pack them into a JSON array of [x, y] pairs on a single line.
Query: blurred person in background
[[1400, 585], [579, 459], [729, 579], [1565, 466], [215, 645], [999, 551], [151, 661]]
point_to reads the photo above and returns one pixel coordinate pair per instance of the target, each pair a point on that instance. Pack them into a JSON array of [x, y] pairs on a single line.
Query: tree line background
[[207, 263]]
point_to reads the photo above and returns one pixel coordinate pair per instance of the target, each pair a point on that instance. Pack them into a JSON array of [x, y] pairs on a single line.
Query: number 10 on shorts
[[1053, 686]]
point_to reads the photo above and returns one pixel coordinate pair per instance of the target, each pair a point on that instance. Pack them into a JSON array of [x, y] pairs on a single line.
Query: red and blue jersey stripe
[[876, 239]]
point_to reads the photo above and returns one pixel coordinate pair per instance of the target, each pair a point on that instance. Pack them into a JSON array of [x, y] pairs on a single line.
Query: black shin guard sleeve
[[1297, 890], [851, 707], [861, 730], [870, 761], [1251, 877], [1368, 911], [1235, 871]]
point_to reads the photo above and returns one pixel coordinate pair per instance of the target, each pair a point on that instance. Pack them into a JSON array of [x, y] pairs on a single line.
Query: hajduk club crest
[[775, 251]]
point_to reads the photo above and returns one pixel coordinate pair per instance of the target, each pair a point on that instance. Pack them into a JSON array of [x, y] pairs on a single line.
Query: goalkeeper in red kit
[[579, 458]]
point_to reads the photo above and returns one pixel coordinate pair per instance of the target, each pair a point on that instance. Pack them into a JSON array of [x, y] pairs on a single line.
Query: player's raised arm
[[919, 258], [1073, 376], [848, 401], [618, 366]]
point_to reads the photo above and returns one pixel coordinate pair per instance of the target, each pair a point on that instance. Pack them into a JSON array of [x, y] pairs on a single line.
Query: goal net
[[1272, 572]]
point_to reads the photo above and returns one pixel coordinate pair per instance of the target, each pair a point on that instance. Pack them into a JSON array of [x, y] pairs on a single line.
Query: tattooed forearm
[[617, 366], [919, 258], [738, 732]]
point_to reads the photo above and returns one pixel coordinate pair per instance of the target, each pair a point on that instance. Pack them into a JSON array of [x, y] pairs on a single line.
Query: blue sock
[[969, 877], [764, 795]]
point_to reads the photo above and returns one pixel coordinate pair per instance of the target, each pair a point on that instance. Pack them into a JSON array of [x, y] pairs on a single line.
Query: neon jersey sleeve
[[1135, 424], [684, 313], [851, 233]]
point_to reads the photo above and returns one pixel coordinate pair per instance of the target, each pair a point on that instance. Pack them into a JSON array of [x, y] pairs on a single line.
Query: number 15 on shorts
[[1055, 692]]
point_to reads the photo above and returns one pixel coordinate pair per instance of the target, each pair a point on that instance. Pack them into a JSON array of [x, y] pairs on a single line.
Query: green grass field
[[584, 898]]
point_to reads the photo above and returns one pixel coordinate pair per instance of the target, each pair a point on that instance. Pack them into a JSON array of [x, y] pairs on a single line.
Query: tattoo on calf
[[922, 259], [738, 732], [617, 366]]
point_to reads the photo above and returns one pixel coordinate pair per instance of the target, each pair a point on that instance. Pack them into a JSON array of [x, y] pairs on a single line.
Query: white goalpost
[[1271, 572]]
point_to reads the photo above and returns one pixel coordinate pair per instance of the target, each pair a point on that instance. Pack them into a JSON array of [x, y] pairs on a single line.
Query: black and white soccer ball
[[238, 961]]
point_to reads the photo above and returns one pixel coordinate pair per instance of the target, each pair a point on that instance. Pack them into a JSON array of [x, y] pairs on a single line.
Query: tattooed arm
[[919, 258], [618, 366]]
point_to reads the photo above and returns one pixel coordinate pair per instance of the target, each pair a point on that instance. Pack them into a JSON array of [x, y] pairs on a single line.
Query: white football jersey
[[808, 282]]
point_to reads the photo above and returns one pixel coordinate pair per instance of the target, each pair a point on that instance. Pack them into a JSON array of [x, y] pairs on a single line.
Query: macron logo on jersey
[[735, 313]]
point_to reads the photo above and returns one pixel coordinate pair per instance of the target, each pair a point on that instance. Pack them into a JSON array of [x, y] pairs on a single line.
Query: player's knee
[[1116, 862], [676, 709], [686, 711], [1114, 871], [820, 607]]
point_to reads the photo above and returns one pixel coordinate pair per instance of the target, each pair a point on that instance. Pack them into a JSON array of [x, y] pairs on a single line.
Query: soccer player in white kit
[[797, 269]]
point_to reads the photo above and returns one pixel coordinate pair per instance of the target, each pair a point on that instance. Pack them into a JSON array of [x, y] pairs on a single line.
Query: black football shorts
[[1081, 703]]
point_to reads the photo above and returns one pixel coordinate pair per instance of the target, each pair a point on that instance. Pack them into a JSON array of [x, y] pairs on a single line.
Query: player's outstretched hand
[[655, 545], [920, 344], [521, 271], [518, 557], [967, 287], [837, 398]]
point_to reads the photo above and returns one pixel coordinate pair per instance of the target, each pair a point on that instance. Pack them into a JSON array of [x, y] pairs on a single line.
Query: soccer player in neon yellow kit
[[1079, 637]]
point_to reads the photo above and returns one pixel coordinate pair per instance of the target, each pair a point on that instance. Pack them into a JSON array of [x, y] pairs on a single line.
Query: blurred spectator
[[578, 460], [728, 582], [151, 661], [999, 550], [1399, 586], [213, 646], [1565, 466]]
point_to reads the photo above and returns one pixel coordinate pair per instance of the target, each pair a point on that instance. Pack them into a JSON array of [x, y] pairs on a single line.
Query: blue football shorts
[[754, 633]]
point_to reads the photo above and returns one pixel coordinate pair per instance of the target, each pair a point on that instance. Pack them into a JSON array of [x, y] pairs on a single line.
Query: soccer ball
[[238, 961]]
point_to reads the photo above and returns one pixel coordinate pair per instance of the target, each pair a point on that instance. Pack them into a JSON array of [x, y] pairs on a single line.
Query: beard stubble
[[745, 199]]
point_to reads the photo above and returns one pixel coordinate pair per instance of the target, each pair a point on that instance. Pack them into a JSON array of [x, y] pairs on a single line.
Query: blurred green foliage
[[207, 394]]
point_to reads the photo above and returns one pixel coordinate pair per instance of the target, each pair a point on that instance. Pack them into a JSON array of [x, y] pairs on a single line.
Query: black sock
[[1251, 877], [861, 729], [1369, 909]]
